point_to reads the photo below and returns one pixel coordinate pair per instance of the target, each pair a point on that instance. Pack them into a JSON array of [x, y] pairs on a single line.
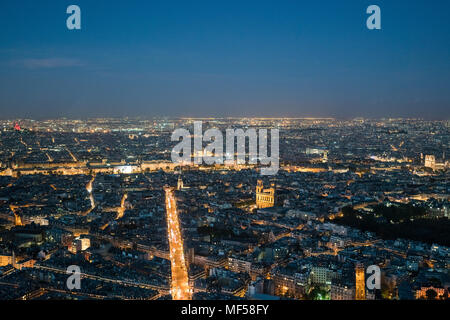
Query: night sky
[[225, 58]]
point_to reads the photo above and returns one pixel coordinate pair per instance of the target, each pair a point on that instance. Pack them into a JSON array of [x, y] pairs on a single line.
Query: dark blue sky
[[225, 58]]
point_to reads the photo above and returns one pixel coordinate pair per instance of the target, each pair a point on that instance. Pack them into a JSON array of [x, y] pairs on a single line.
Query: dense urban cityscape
[[104, 195]]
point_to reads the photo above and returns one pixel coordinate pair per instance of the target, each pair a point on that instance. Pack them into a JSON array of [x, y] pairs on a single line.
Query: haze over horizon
[[142, 118], [224, 59]]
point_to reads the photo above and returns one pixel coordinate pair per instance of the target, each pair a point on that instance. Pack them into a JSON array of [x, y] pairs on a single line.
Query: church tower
[[17, 220], [360, 287], [325, 156], [259, 186]]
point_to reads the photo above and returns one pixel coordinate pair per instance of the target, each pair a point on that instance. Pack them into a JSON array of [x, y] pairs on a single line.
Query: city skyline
[[242, 157], [62, 118], [356, 210]]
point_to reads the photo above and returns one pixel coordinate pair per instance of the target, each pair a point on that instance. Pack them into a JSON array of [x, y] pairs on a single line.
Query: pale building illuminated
[[265, 198], [430, 161]]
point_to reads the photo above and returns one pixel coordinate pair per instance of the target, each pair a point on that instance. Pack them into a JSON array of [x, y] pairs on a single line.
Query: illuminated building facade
[[5, 260], [430, 162], [342, 291], [17, 220], [422, 292], [289, 285], [321, 275], [265, 198]]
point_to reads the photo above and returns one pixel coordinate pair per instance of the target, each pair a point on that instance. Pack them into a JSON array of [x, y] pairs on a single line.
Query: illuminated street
[[121, 209], [91, 196], [180, 282]]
